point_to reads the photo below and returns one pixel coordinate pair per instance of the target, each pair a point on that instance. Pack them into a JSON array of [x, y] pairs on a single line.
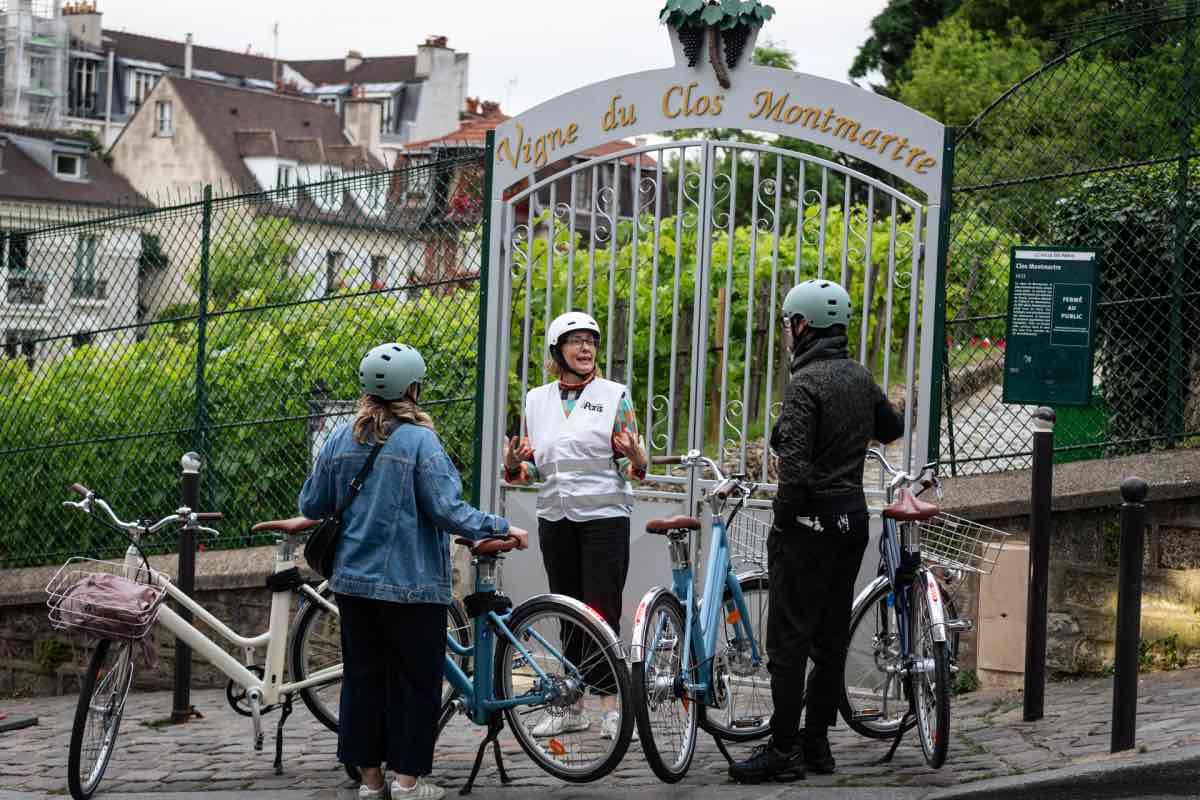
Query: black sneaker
[[768, 764], [818, 758]]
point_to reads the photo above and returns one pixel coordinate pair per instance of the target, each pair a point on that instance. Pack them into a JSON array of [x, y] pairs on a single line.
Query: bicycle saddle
[[291, 526], [489, 547], [661, 526], [907, 507]]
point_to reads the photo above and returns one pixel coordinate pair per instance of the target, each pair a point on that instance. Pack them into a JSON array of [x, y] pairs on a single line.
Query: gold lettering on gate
[[535, 151]]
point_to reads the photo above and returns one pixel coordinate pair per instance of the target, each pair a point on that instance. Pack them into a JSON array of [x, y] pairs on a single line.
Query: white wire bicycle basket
[[747, 537], [96, 597], [958, 543]]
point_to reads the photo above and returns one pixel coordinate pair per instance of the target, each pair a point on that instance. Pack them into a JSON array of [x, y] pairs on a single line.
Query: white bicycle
[[121, 602]]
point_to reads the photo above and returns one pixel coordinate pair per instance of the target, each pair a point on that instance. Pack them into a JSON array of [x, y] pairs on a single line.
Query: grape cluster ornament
[[725, 24]]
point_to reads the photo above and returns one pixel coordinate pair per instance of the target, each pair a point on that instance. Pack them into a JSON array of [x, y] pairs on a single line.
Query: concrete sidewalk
[[212, 758]]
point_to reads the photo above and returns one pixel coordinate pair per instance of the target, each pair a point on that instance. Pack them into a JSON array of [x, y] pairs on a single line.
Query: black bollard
[[1129, 613], [1040, 525], [181, 707]]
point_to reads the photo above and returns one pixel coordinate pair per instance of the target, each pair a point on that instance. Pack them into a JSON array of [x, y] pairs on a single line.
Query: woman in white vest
[[581, 442]]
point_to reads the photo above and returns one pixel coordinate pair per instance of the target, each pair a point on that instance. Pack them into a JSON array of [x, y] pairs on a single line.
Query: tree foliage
[[894, 33], [956, 71]]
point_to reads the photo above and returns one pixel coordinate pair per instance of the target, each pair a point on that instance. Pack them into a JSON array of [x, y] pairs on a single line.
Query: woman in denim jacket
[[391, 572]]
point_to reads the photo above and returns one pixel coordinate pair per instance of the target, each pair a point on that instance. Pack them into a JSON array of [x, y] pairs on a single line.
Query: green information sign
[[1051, 326]]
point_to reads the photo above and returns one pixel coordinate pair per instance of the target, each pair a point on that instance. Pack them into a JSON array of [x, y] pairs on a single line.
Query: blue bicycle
[[551, 666], [700, 662]]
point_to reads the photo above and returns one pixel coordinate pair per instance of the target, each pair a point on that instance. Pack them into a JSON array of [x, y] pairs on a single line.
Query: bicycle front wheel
[[873, 699], [102, 695], [930, 678], [745, 684], [666, 716], [567, 655]]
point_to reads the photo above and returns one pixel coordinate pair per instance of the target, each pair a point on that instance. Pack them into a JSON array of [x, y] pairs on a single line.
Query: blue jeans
[[392, 655]]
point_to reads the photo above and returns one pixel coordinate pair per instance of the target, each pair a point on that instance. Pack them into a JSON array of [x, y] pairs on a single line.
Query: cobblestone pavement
[[214, 754]]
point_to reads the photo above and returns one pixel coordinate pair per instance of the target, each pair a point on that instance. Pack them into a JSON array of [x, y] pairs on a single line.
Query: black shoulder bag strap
[[357, 484]]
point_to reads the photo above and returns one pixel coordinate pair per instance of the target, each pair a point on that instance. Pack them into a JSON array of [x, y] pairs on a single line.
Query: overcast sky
[[546, 46]]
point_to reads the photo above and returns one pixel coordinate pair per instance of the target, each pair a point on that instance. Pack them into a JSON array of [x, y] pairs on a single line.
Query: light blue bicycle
[[551, 666], [700, 662]]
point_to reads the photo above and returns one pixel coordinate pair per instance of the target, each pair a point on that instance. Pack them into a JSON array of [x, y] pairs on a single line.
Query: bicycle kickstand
[[906, 724], [495, 725], [287, 712]]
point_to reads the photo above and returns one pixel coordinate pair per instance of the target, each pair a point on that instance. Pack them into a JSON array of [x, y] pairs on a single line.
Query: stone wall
[[1084, 555]]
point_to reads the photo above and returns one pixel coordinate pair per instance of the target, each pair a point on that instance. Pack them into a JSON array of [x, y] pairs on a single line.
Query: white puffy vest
[[574, 454]]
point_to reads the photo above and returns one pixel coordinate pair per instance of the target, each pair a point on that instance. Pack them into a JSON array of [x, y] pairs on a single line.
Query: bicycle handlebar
[[666, 459], [182, 515], [927, 477]]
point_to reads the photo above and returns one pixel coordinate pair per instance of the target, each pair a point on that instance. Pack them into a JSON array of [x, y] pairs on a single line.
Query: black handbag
[[322, 543]]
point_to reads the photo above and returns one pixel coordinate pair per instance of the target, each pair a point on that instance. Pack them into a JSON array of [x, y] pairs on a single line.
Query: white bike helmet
[[565, 324]]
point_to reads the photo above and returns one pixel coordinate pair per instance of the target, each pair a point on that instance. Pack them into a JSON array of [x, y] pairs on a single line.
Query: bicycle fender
[[610, 638], [868, 589], [937, 609], [639, 622]]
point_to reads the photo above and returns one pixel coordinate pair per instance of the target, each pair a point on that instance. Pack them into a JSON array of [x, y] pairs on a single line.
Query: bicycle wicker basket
[[958, 543], [96, 597], [747, 537]]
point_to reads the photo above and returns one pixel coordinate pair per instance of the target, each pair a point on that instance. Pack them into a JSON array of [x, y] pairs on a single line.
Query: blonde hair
[[374, 414]]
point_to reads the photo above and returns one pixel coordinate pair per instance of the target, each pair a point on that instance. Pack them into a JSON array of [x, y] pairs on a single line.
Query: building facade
[[63, 69], [66, 284]]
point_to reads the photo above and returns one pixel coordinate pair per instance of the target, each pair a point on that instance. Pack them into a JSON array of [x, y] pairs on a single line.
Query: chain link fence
[[231, 326], [1095, 150]]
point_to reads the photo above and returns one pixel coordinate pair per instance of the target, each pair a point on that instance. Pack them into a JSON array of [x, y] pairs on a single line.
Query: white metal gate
[[641, 238]]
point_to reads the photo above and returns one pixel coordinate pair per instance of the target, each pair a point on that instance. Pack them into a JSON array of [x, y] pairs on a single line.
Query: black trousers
[[588, 561], [812, 568], [392, 656]]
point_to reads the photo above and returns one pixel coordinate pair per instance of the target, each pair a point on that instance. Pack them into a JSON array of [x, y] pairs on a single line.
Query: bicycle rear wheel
[[666, 717], [930, 678], [583, 669], [102, 695], [317, 645], [873, 698], [746, 714]]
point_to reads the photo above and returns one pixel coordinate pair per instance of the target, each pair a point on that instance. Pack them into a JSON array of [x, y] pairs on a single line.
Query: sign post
[[1050, 338]]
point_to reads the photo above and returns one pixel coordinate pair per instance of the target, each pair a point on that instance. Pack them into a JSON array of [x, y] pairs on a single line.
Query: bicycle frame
[[271, 686], [477, 693], [701, 623]]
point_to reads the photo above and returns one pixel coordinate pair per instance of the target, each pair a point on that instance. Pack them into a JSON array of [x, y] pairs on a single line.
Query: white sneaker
[[421, 791], [610, 726], [366, 793], [558, 724]]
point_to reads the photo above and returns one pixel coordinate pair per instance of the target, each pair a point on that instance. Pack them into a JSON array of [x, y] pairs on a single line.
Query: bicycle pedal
[[747, 722], [868, 715]]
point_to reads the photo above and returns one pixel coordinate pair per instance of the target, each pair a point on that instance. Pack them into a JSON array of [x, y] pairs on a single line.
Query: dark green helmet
[[823, 303], [389, 369]]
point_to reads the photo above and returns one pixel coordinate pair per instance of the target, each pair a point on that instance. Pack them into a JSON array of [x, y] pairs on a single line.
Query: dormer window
[[285, 177], [163, 125], [68, 166]]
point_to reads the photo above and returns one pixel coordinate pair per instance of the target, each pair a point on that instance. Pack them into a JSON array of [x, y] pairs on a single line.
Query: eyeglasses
[[580, 339]]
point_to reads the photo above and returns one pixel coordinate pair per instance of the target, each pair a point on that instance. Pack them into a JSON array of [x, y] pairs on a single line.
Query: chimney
[[363, 121], [187, 56], [428, 53], [83, 20], [354, 60]]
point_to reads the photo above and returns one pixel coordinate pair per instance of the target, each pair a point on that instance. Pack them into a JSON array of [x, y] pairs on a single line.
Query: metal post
[[1040, 529], [181, 709], [1129, 613], [489, 163]]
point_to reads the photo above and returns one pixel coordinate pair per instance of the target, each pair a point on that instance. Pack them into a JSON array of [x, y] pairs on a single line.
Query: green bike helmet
[[389, 369], [823, 303]]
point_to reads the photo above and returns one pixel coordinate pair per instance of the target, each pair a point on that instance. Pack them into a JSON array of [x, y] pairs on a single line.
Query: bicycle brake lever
[[203, 529]]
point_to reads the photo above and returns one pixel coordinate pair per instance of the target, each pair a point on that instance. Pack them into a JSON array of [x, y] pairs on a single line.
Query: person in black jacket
[[832, 410]]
